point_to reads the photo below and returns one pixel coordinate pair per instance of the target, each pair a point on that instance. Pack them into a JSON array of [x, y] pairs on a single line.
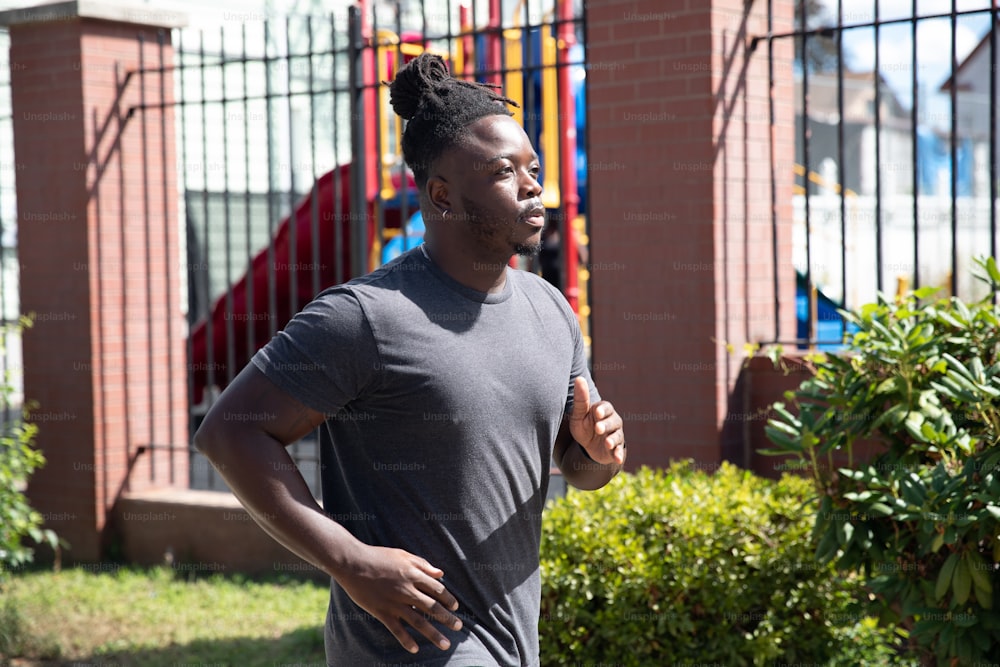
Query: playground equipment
[[280, 280], [539, 66]]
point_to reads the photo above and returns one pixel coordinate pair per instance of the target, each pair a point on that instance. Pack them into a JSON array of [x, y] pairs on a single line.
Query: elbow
[[588, 482], [206, 439]]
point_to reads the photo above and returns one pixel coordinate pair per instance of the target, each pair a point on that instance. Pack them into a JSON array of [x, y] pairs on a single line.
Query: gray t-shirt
[[443, 404]]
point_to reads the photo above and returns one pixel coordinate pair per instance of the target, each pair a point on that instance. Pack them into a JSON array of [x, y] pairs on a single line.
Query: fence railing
[[290, 169], [897, 183]]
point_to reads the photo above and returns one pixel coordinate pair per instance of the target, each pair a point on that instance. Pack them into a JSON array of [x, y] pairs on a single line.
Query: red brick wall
[[98, 245], [680, 213]]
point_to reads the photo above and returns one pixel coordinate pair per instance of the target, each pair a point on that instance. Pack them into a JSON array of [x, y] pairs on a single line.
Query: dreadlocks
[[438, 107]]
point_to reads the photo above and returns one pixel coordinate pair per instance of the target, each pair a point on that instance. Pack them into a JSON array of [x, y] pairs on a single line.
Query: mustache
[[530, 206]]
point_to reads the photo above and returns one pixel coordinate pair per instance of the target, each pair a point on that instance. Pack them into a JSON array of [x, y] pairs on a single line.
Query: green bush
[[18, 460], [683, 566], [921, 519]]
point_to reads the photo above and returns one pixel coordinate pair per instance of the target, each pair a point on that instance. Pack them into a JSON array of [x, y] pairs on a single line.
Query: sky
[[896, 43]]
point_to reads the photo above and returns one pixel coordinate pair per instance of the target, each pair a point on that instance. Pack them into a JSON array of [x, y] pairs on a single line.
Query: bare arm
[[245, 436], [590, 445]]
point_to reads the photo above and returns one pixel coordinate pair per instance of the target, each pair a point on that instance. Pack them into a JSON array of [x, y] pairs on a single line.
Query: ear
[[437, 193]]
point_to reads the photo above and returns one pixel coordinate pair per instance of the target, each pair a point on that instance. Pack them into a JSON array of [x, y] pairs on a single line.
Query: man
[[448, 382]]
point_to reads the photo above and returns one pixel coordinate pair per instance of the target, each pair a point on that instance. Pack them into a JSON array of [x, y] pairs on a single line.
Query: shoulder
[[334, 308], [351, 298], [541, 291]]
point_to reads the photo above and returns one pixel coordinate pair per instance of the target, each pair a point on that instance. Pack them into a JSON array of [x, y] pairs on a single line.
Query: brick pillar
[[680, 213], [98, 246]]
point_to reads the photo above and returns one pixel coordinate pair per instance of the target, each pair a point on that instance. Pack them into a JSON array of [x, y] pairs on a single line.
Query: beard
[[528, 249], [488, 228]]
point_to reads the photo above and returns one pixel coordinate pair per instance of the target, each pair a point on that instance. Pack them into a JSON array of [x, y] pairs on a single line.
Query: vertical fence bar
[[841, 159], [292, 267], [248, 244], [359, 195], [272, 212], [401, 191], [293, 232], [878, 156], [6, 257], [122, 253], [314, 184], [144, 148], [530, 117], [772, 168], [371, 50], [810, 334], [169, 261], [468, 43], [914, 108], [494, 43], [99, 251], [227, 216], [338, 203], [953, 150], [7, 413], [501, 50], [450, 36], [314, 246], [191, 239], [404, 190], [993, 135], [206, 227]]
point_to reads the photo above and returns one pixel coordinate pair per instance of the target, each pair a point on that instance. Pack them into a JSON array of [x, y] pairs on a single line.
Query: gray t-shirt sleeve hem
[[326, 356]]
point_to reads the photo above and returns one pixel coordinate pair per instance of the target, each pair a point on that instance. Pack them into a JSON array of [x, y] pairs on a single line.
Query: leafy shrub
[[683, 566], [18, 460], [921, 519]]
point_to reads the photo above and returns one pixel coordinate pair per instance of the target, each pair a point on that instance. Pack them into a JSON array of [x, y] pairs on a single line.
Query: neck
[[468, 266]]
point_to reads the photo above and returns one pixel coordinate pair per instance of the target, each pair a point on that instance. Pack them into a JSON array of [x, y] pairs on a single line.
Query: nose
[[531, 187]]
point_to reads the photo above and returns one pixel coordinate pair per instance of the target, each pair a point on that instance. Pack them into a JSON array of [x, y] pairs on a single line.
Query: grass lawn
[[154, 617]]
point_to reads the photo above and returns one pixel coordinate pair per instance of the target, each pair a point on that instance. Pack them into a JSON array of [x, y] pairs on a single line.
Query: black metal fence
[[896, 173], [287, 149], [289, 164]]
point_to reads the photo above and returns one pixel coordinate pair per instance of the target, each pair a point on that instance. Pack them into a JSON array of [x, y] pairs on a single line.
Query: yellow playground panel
[[389, 48]]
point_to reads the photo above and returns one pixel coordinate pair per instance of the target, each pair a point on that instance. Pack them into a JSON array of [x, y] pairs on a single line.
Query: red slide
[[231, 311]]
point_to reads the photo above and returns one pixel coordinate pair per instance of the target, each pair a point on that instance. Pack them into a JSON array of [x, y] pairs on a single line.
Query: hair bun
[[415, 81]]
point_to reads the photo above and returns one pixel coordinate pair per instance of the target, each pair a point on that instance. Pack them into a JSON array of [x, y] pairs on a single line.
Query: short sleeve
[[326, 356]]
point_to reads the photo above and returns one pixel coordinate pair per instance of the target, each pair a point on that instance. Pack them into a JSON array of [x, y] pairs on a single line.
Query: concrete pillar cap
[[104, 10]]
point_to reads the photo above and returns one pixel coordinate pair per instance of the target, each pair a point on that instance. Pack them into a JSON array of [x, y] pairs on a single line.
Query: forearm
[[264, 478], [577, 468]]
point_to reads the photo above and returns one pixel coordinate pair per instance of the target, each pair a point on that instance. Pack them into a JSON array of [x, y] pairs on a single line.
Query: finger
[[401, 635], [427, 568], [607, 449], [424, 627], [615, 445], [581, 397], [611, 422], [438, 594], [439, 613]]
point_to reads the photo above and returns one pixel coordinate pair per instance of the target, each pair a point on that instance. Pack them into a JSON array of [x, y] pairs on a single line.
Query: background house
[[858, 127], [971, 85]]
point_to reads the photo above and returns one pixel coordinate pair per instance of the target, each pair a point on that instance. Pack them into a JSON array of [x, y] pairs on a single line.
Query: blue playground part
[[399, 244], [830, 326]]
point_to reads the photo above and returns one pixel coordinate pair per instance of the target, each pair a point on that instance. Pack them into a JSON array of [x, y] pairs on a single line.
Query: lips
[[535, 217]]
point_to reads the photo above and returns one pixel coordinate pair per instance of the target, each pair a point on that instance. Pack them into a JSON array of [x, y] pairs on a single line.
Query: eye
[[506, 170]]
